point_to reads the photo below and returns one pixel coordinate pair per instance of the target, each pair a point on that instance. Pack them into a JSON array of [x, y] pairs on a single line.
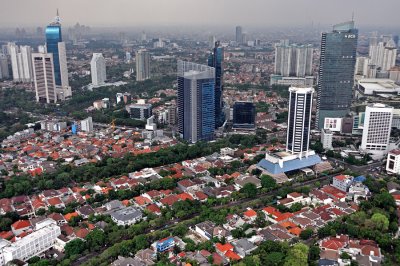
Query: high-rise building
[[98, 69], [293, 60], [143, 37], [21, 62], [383, 54], [196, 101], [239, 35], [216, 60], [140, 111], [244, 115], [142, 65], [377, 128], [55, 46], [4, 72], [43, 73], [336, 71], [171, 117], [211, 41], [299, 120], [393, 162], [87, 124]]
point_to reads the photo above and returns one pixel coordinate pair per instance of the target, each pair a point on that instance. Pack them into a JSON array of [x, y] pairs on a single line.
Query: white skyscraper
[[98, 69], [299, 120], [293, 60], [142, 65], [377, 127], [62, 54], [383, 54], [21, 62], [43, 73]]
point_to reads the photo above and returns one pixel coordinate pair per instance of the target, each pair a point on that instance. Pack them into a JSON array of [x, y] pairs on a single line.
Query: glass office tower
[[244, 115], [336, 72], [196, 101], [53, 37], [215, 60]]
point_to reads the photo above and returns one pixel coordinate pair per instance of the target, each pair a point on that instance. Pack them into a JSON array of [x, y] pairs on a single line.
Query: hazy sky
[[260, 13]]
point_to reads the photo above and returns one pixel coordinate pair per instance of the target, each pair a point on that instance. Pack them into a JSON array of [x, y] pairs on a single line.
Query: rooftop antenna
[[58, 17]]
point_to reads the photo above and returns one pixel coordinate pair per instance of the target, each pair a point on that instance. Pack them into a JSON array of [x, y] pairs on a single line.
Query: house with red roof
[[250, 215], [55, 202], [153, 208], [21, 226], [185, 196], [142, 201], [169, 200]]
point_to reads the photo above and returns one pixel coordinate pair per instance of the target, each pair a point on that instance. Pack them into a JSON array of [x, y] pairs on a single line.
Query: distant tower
[[55, 46], [142, 65], [336, 72], [299, 120], [216, 60], [43, 71], [98, 69], [4, 72], [239, 34], [21, 62], [196, 102]]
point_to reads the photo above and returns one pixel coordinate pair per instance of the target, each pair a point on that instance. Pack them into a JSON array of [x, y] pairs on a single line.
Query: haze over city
[[254, 13]]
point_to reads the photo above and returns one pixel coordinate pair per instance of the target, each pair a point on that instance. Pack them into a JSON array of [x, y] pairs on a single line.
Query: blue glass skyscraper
[[336, 72], [196, 101], [215, 60], [53, 37]]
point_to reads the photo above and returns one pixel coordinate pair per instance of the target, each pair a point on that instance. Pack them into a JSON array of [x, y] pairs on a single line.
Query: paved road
[[230, 204]]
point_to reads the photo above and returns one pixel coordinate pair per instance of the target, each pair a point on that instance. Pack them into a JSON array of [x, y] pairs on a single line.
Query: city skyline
[[258, 13]]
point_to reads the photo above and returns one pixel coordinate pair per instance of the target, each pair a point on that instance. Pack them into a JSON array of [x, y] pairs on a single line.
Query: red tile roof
[[68, 216], [185, 196], [169, 200], [250, 213], [232, 255], [223, 247], [21, 224]]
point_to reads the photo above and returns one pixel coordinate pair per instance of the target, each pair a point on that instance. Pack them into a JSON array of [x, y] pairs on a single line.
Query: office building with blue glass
[[336, 72], [196, 101], [216, 60], [53, 37], [244, 115]]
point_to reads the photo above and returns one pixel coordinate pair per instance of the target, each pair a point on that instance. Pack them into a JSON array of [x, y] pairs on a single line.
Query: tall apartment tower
[[21, 62], [239, 34], [142, 65], [98, 69], [377, 128], [43, 72], [383, 54], [299, 120], [293, 60], [216, 60], [4, 72], [196, 101], [55, 46], [336, 71]]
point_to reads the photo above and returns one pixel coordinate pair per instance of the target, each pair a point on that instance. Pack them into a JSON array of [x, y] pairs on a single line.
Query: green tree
[[380, 221], [250, 190], [297, 255], [306, 234], [75, 247], [95, 239], [268, 182]]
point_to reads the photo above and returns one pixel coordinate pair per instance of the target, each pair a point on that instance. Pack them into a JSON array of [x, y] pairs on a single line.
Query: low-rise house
[[126, 216], [243, 247], [20, 227], [245, 179], [205, 229], [342, 182], [113, 205], [165, 244], [85, 211], [293, 198]]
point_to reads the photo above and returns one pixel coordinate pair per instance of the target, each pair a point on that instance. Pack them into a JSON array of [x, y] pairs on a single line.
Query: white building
[[326, 138], [62, 55], [87, 124], [293, 60], [4, 72], [393, 162], [383, 55], [142, 65], [98, 69], [126, 216], [21, 62], [377, 127], [43, 238], [43, 72], [299, 120], [342, 182]]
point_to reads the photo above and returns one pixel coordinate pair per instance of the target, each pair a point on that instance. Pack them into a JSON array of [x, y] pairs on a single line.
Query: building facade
[[293, 60], [43, 73], [142, 65], [376, 131], [393, 162], [139, 111], [336, 71], [98, 69], [4, 72], [244, 115], [87, 124], [216, 60], [196, 101], [299, 120], [326, 139], [21, 62]]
